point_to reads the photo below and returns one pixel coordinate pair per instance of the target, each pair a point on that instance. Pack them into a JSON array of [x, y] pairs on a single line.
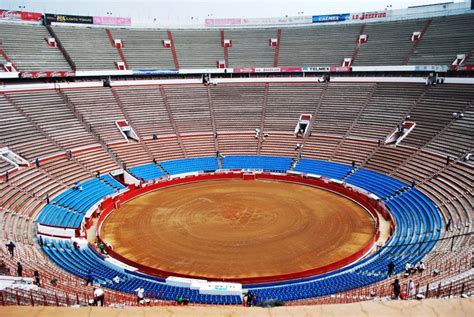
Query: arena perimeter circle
[[230, 229]]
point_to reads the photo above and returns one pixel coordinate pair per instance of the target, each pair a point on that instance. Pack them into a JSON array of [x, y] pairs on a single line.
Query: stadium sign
[[170, 71], [331, 18], [20, 16], [46, 74], [63, 18], [327, 69], [369, 15], [268, 70], [112, 21]]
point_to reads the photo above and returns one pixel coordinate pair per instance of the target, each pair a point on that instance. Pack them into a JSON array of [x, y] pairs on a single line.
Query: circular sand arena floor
[[238, 229]]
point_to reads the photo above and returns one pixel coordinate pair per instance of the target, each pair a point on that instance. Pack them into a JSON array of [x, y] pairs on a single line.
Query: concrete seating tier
[[26, 46]]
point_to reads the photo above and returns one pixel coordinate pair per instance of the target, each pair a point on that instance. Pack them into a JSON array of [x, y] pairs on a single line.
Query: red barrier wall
[[372, 206]]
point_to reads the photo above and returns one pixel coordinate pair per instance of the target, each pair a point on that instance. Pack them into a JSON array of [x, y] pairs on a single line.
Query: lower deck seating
[[376, 183], [266, 163], [190, 165], [79, 262], [69, 207], [418, 228], [323, 168], [147, 172]]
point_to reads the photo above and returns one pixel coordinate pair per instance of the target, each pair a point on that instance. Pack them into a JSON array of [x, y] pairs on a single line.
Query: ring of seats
[[416, 217]]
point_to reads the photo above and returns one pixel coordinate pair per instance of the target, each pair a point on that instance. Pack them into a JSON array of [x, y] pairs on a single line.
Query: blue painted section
[[190, 165], [147, 172], [69, 207], [377, 183], [266, 163], [79, 262], [323, 168]]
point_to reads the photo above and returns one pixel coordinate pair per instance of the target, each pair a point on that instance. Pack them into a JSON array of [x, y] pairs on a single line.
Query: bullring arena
[[227, 230], [322, 163]]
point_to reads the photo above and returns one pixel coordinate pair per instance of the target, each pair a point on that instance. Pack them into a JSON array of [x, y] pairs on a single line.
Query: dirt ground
[[236, 228]]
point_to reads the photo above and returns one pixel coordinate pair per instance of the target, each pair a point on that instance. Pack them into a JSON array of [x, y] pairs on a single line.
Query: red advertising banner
[[327, 69], [244, 70], [269, 70], [20, 16], [465, 68], [369, 15], [46, 74]]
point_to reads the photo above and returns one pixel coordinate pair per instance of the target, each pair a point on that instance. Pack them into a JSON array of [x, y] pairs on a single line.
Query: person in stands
[[102, 247], [411, 291], [99, 296], [11, 248], [390, 268], [396, 289], [37, 278], [448, 224], [408, 268], [89, 278], [420, 267], [140, 295], [19, 269]]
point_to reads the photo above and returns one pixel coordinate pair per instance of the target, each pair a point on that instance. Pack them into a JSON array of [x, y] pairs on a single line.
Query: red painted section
[[5, 57], [356, 49], [277, 48], [417, 42], [372, 206], [122, 123], [226, 49], [173, 50], [119, 50]]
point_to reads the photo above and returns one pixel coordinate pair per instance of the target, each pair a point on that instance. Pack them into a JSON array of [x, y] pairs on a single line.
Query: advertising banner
[[276, 21], [465, 68], [244, 70], [155, 71], [63, 18], [222, 22], [268, 70], [369, 15], [46, 74], [112, 21], [327, 69], [331, 18], [20, 16], [431, 68], [258, 21]]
